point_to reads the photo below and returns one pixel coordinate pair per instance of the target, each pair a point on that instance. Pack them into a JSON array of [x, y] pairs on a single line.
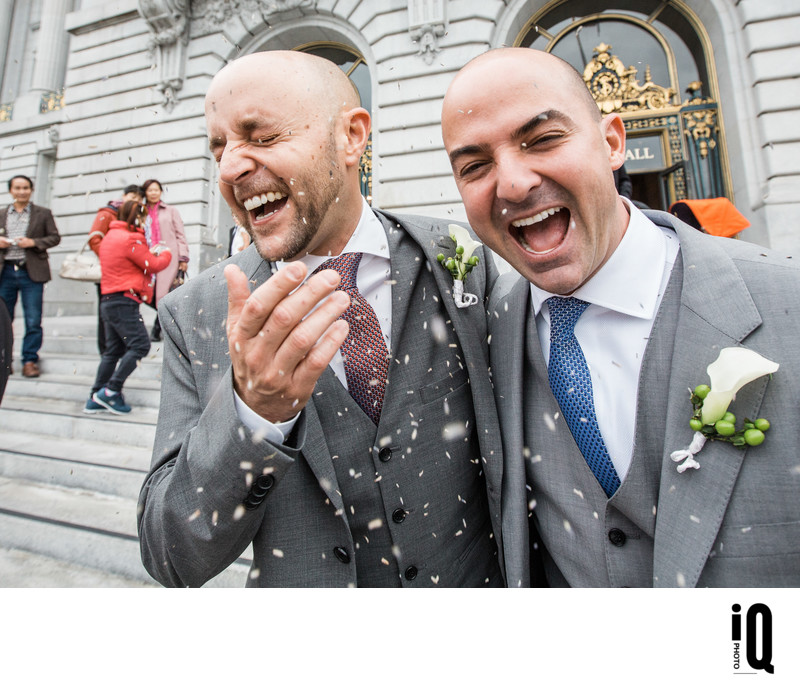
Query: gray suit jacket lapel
[[403, 275], [716, 311], [508, 371], [432, 240]]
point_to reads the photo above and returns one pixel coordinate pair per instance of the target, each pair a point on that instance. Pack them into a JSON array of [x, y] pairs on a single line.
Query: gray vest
[[413, 489], [591, 540]]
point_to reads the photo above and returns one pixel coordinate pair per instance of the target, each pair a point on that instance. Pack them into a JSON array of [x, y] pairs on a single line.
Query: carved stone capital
[[168, 21], [209, 14], [427, 23]]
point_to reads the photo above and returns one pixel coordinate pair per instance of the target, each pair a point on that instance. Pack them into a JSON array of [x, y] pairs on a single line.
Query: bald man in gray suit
[[649, 302], [351, 436]]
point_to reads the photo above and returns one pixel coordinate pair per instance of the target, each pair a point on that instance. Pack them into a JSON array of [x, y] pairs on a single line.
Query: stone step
[[74, 334], [110, 469], [24, 569], [66, 323], [138, 392], [65, 419], [85, 365], [82, 527]]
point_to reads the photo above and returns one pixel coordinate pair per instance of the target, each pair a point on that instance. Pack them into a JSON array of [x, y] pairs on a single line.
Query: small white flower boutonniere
[[461, 264], [711, 420]]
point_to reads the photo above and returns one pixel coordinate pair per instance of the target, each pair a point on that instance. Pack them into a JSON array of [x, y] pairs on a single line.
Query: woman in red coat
[[128, 267], [165, 225]]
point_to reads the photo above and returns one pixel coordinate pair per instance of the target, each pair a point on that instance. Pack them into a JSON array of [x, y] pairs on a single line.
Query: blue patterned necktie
[[366, 359], [571, 384]]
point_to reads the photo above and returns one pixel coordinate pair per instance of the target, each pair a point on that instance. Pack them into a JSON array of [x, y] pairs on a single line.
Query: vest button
[[385, 454], [411, 573], [341, 554], [398, 515], [617, 537]]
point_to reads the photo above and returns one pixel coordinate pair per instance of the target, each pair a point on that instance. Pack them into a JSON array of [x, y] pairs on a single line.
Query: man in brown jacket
[[26, 232]]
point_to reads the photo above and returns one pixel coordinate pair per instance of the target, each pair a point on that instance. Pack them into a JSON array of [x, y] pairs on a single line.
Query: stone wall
[[117, 126]]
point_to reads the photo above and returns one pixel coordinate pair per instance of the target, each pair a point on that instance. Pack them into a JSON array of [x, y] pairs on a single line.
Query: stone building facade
[[96, 94]]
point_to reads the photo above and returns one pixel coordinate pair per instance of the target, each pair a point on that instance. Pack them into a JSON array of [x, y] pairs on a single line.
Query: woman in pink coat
[[164, 225]]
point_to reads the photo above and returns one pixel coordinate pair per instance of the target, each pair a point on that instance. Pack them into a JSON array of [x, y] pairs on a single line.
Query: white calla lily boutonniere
[[461, 264], [711, 420]]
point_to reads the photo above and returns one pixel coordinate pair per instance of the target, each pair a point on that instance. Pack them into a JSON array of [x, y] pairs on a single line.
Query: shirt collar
[[368, 238], [25, 210], [627, 283]]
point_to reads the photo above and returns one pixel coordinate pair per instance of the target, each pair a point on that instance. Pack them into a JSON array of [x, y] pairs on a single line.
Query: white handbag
[[82, 265]]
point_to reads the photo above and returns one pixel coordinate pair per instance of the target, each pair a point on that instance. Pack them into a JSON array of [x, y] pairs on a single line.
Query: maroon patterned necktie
[[366, 360]]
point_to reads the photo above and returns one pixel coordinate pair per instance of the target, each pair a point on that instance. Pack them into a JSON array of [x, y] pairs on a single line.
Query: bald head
[[287, 75], [287, 132], [531, 63]]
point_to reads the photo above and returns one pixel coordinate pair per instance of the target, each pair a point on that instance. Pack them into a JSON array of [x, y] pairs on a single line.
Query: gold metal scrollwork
[[701, 125], [52, 101], [615, 87], [700, 122]]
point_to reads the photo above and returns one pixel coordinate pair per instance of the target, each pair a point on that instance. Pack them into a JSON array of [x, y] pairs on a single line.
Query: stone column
[[14, 51], [6, 11], [51, 50]]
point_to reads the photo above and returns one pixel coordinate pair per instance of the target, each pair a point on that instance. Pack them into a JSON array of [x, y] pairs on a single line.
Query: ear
[[357, 126], [613, 130]]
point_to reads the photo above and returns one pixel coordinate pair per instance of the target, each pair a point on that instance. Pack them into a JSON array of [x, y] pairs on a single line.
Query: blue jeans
[[127, 341], [15, 281]]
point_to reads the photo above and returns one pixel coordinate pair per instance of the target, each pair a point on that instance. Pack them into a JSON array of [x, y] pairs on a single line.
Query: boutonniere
[[461, 264], [711, 420]]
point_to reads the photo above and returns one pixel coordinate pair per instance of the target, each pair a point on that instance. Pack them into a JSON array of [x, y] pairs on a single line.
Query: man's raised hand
[[278, 350]]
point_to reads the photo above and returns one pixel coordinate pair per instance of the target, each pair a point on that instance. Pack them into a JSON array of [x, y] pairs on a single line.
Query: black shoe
[[155, 332]]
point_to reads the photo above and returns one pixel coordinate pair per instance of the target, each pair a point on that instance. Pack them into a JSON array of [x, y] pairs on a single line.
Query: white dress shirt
[[374, 283], [624, 297]]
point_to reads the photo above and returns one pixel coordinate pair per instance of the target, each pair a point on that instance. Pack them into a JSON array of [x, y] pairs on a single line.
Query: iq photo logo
[[751, 635]]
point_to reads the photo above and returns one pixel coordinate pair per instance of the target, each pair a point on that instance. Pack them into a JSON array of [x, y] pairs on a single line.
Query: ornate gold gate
[[678, 143]]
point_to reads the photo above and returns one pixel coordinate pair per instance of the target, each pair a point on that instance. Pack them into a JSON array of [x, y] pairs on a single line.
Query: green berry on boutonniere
[[711, 420]]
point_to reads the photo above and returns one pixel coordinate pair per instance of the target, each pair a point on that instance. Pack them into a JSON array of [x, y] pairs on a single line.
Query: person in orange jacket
[[105, 215], [128, 267]]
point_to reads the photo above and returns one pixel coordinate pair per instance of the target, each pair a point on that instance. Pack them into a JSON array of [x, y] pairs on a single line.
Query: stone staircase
[[69, 482]]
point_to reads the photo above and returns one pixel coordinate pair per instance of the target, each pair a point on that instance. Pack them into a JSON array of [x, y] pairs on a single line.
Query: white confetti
[[277, 553], [454, 431]]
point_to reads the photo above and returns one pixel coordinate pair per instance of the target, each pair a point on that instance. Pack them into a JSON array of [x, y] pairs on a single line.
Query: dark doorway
[[646, 189]]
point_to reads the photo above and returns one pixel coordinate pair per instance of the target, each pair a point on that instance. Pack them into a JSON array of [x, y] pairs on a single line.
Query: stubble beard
[[311, 209]]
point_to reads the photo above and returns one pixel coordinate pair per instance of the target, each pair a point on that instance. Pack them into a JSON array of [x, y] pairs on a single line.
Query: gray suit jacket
[[192, 522], [736, 520]]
